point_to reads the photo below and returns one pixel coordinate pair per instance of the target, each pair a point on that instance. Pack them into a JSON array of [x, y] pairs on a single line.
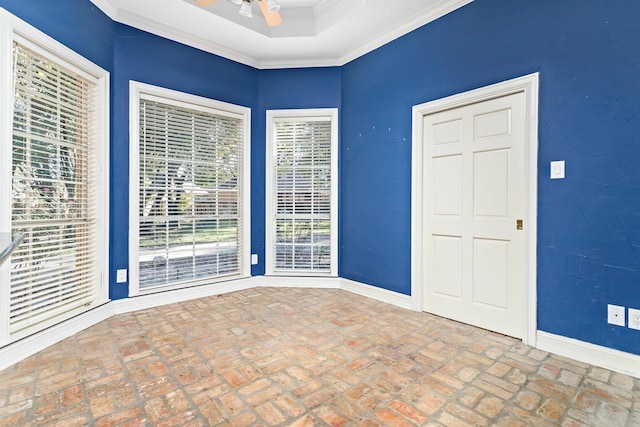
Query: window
[[53, 181], [302, 184], [189, 190]]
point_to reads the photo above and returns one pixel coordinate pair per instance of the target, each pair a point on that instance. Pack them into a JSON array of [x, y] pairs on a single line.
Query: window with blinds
[[190, 179], [56, 141], [302, 183]]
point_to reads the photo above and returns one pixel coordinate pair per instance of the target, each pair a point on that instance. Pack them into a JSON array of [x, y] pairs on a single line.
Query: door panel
[[473, 185], [447, 132], [491, 183], [492, 124], [491, 272], [447, 271], [448, 188]]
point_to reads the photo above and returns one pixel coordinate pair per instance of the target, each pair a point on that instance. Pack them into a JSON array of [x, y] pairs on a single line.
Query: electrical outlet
[[121, 276], [634, 319], [254, 259], [557, 169], [615, 315]]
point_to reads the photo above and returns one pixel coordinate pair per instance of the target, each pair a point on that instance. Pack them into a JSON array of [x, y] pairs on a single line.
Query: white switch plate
[[615, 315], [254, 259], [557, 169], [634, 319], [121, 276]]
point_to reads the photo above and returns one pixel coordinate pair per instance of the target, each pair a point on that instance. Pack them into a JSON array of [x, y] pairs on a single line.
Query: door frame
[[529, 85]]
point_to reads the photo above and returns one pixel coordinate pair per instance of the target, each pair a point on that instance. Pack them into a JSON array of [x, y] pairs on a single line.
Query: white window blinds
[[303, 195], [55, 273], [190, 225]]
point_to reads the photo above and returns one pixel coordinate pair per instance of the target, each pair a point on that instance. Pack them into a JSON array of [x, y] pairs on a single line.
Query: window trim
[[13, 29], [138, 89], [270, 199]]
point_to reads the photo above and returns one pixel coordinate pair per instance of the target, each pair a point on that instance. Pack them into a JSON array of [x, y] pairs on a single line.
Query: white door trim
[[529, 85]]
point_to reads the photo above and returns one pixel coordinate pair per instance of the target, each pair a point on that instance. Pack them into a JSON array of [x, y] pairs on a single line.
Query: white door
[[473, 204]]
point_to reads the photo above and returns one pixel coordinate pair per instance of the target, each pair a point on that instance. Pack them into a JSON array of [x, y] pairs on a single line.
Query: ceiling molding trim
[[106, 7], [154, 27], [299, 63], [124, 17], [324, 7], [445, 7], [330, 13]]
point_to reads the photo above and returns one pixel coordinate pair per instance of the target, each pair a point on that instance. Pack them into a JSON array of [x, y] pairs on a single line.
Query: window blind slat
[[190, 199], [302, 181], [54, 271]]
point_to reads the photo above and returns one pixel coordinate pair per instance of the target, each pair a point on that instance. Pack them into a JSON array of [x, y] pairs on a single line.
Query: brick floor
[[305, 357]]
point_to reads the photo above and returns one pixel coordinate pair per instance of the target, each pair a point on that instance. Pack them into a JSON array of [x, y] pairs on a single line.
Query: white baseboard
[[20, 350], [297, 282], [593, 354], [158, 299], [362, 289], [373, 292]]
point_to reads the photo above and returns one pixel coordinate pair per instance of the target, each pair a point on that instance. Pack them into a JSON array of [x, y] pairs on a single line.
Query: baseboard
[[389, 297], [593, 354], [362, 289], [158, 299], [162, 298], [297, 282], [28, 346]]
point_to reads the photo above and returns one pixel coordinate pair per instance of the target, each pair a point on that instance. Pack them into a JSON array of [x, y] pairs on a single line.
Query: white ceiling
[[314, 33]]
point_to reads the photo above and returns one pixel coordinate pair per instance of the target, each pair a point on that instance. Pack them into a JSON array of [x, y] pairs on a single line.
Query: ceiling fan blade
[[205, 3], [272, 19]]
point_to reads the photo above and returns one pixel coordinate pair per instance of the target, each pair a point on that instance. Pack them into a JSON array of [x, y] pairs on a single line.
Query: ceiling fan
[[269, 9]]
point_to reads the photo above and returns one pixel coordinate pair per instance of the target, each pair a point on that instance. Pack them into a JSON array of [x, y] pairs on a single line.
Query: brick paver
[[305, 357]]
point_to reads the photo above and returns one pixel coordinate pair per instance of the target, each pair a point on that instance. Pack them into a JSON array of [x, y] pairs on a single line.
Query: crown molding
[[316, 62], [189, 39], [329, 58], [324, 6], [106, 7], [437, 11]]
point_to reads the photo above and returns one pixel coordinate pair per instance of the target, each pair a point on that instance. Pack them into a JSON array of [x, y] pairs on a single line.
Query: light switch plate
[[557, 169]]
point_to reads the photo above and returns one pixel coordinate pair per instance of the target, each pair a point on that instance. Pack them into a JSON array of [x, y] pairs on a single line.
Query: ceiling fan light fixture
[[245, 9], [273, 6], [238, 2]]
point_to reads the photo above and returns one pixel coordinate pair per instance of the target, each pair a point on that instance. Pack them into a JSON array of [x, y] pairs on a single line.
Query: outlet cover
[[615, 314], [254, 259], [634, 318], [121, 276]]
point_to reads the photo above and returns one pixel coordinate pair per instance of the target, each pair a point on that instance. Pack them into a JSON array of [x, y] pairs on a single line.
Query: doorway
[[474, 199]]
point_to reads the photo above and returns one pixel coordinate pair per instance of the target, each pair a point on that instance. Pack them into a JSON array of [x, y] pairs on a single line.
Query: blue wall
[[79, 25], [587, 56], [280, 90], [589, 223], [146, 58]]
